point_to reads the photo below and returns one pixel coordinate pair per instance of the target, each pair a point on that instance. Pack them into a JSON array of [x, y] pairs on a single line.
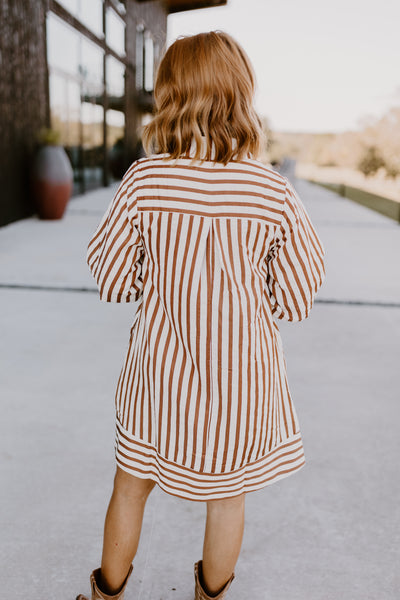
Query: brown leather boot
[[199, 593], [97, 594]]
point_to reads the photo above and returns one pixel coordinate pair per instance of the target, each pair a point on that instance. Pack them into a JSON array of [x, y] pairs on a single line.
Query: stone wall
[[24, 103]]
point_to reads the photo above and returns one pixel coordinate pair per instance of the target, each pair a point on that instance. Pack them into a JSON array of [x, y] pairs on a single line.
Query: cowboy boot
[[199, 592], [97, 594]]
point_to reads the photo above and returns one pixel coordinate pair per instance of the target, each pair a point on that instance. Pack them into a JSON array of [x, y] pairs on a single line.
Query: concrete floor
[[330, 532]]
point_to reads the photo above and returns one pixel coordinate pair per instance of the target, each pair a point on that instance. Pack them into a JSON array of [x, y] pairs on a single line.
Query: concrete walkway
[[330, 532]]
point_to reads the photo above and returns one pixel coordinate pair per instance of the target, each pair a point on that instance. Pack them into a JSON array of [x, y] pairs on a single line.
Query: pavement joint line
[[47, 288], [374, 303], [92, 290]]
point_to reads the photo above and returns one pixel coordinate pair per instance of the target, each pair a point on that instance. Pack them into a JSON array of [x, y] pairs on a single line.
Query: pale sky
[[321, 65]]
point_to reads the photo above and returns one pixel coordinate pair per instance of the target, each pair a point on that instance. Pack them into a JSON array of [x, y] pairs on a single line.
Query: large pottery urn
[[52, 180]]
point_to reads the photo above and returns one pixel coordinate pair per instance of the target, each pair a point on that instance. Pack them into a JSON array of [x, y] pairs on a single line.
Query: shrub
[[370, 161]]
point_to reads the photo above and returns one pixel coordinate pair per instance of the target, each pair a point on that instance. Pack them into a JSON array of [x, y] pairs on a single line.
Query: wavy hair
[[203, 95]]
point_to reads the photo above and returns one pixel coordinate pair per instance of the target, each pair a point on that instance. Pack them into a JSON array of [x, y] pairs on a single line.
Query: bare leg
[[222, 541], [122, 528]]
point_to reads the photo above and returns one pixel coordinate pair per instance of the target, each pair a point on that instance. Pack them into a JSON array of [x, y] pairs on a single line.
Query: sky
[[321, 65]]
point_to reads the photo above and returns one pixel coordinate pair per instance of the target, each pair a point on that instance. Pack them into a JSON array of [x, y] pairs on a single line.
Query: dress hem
[[143, 461]]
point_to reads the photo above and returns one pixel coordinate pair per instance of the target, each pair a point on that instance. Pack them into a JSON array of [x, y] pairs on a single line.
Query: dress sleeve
[[115, 251], [295, 262]]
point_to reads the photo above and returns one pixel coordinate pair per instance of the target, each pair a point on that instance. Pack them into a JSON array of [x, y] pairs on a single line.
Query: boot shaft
[[98, 594], [200, 593]]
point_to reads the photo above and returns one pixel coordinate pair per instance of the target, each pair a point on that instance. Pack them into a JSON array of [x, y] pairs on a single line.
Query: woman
[[212, 244]]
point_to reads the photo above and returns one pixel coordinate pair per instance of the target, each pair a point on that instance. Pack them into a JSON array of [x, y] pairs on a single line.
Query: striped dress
[[210, 254]]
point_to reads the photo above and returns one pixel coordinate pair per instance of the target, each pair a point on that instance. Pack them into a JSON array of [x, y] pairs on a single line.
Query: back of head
[[204, 95]]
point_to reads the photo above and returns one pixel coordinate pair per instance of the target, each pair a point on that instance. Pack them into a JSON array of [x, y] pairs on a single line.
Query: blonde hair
[[205, 87]]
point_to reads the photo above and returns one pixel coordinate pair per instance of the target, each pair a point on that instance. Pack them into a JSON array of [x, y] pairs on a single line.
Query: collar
[[203, 148]]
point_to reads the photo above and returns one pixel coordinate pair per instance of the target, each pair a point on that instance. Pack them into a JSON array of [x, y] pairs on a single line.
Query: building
[[85, 68]]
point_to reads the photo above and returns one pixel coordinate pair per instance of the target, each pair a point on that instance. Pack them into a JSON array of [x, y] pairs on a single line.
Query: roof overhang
[[174, 6]]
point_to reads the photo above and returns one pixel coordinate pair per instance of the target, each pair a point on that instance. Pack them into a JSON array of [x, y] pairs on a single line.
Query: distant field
[[377, 184]]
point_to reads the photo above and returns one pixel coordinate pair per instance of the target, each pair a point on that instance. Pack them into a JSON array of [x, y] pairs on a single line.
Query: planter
[[52, 180]]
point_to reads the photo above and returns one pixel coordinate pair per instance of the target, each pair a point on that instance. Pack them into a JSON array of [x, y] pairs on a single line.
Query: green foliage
[[370, 161], [48, 137]]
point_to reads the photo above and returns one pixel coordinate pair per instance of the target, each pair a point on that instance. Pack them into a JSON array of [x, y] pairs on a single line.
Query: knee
[[224, 505], [132, 487]]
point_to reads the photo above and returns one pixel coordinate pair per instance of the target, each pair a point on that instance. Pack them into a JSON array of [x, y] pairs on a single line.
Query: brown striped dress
[[211, 254]]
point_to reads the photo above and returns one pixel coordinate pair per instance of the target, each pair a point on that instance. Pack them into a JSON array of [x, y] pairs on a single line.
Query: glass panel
[[88, 12], [115, 32], [65, 104], [115, 77], [77, 89], [58, 107], [62, 45], [148, 63], [91, 15], [92, 138], [74, 113], [72, 6], [73, 142], [115, 126], [91, 69], [115, 143], [92, 121], [156, 53]]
